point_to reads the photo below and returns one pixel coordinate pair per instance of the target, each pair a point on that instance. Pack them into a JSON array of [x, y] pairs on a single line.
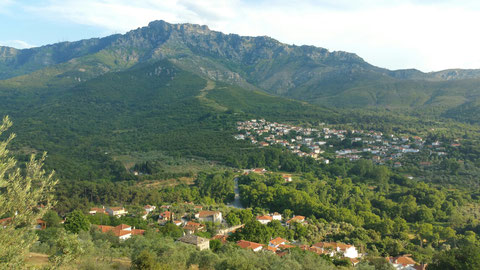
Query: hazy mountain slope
[[15, 62]]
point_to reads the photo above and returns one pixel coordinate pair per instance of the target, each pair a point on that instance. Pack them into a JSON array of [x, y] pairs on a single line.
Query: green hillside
[[150, 107]]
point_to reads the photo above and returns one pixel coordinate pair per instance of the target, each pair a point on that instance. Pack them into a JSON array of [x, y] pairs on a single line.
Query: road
[[236, 203]]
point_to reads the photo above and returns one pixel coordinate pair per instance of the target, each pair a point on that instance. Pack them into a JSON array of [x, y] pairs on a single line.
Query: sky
[[428, 35]]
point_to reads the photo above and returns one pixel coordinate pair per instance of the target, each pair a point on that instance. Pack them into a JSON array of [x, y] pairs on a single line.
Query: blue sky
[[424, 34]]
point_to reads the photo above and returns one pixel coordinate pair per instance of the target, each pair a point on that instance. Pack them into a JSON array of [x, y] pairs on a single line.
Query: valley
[[210, 131]]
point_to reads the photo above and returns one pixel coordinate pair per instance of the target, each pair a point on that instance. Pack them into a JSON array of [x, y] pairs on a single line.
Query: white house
[[405, 263], [213, 216], [264, 219], [276, 216], [348, 251], [117, 211], [149, 208]]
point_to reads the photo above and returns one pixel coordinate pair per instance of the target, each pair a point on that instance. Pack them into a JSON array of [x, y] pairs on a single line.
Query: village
[[326, 143], [195, 220]]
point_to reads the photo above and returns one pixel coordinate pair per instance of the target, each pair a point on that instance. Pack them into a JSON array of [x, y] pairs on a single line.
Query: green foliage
[[464, 257], [171, 230], [76, 221], [52, 219], [215, 245], [68, 248], [217, 186], [21, 193], [145, 260]]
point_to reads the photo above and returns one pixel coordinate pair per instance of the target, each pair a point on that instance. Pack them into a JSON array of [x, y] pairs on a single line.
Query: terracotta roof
[[296, 219], [403, 260], [193, 226], [248, 244], [120, 230], [277, 241], [105, 228], [264, 218]]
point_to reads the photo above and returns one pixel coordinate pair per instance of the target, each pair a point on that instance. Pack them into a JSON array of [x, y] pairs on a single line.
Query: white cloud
[[18, 44], [425, 34]]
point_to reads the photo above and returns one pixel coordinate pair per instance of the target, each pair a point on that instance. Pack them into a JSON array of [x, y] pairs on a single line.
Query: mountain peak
[[188, 27]]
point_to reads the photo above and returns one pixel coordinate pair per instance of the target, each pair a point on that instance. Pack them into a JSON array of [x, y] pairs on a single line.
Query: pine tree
[[25, 195]]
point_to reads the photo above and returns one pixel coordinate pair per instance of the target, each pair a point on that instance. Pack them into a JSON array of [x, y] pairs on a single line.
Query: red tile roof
[[105, 228], [193, 226], [296, 219], [277, 241], [120, 230], [248, 244], [403, 260], [264, 218]]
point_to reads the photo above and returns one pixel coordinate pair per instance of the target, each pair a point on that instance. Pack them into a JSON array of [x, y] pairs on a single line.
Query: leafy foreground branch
[[25, 195]]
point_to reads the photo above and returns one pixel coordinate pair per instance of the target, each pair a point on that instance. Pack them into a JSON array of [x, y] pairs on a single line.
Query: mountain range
[[315, 75], [165, 86]]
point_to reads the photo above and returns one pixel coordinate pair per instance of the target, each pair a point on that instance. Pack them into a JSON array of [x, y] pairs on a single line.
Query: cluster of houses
[[377, 146], [266, 133], [278, 246]]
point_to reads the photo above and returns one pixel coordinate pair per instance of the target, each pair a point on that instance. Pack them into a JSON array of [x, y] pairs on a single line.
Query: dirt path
[[208, 102]]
